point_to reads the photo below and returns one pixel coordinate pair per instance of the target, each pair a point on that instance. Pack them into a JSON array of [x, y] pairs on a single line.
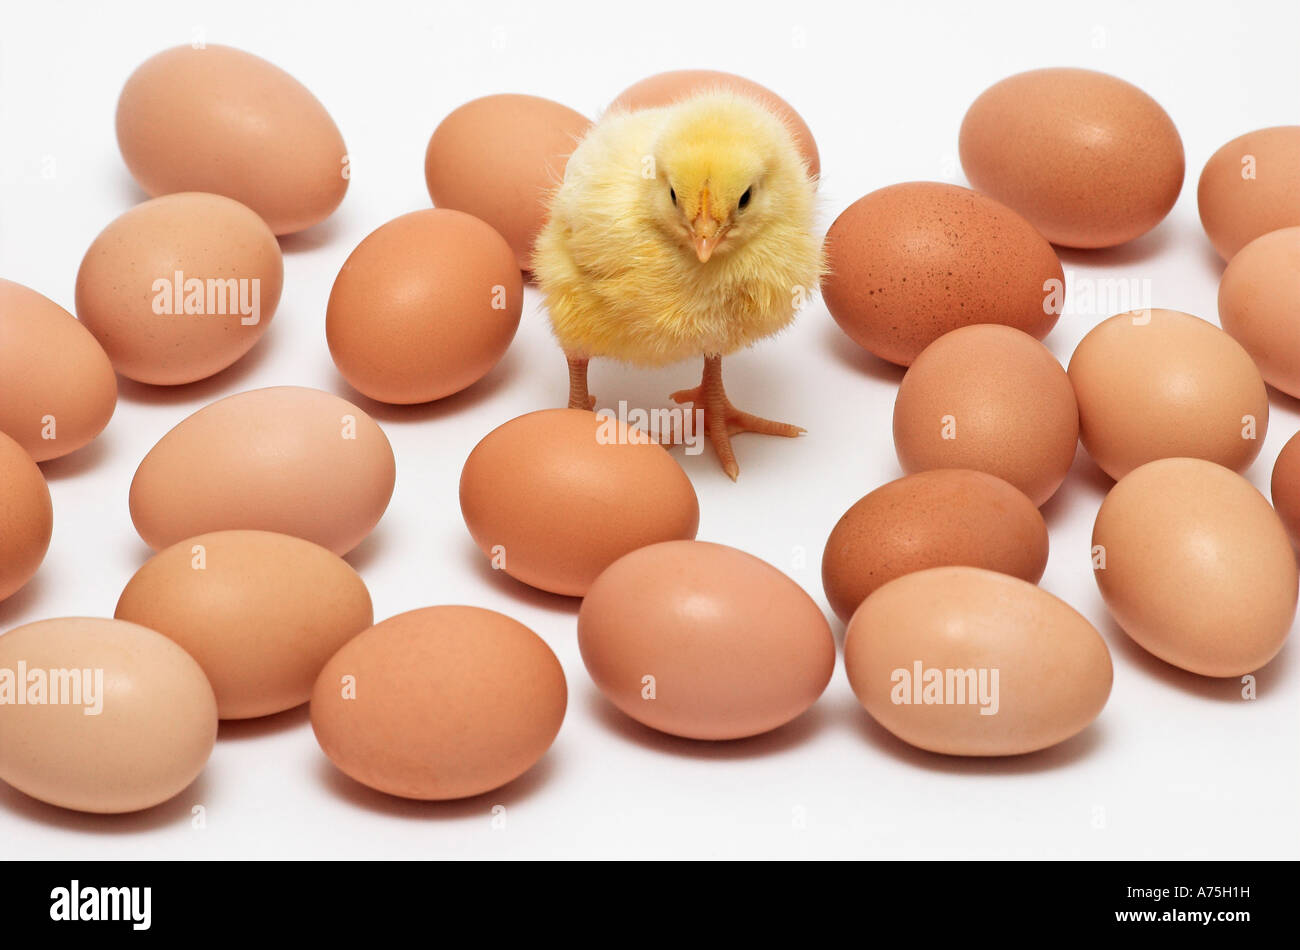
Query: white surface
[[1175, 767]]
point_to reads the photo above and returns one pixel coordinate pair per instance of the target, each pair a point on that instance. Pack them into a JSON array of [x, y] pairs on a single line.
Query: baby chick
[[680, 231]]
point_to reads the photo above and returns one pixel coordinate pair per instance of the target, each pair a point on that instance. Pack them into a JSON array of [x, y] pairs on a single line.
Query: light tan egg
[[224, 121], [499, 158], [704, 641], [114, 717], [965, 661], [910, 262], [57, 387], [556, 496], [1162, 384], [1089, 159], [1259, 304], [180, 287], [261, 613], [932, 519], [990, 398], [1249, 187], [285, 459], [664, 89], [1285, 487], [26, 516], [439, 703], [424, 307], [1196, 566]]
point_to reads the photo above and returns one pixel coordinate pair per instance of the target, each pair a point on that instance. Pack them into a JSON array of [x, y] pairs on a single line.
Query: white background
[[1176, 766]]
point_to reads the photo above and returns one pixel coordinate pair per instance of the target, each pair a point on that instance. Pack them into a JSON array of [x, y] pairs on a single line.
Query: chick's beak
[[707, 231]]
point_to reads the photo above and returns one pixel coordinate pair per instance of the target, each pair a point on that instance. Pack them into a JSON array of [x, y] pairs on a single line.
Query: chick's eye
[[672, 193], [744, 199]]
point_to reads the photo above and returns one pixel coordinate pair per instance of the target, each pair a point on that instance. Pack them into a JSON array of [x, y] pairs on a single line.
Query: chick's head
[[726, 169]]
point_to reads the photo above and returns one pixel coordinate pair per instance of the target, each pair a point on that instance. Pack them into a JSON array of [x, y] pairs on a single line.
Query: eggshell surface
[[1249, 187], [57, 387], [704, 641], [439, 703], [993, 399], [424, 307], [932, 519], [964, 661], [1089, 159], [26, 516], [1196, 566], [1259, 304], [499, 158], [285, 459], [1285, 486], [152, 733], [910, 262], [261, 613], [224, 121], [1164, 384], [180, 287], [556, 496], [664, 89]]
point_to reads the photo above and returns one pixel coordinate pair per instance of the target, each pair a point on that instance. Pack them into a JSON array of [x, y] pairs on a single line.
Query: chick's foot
[[722, 420]]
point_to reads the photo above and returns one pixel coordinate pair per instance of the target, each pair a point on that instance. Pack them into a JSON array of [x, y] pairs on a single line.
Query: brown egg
[[499, 158], [1259, 304], [424, 307], [1286, 486], [1196, 566], [556, 496], [285, 459], [1157, 384], [57, 387], [439, 703], [991, 398], [1089, 159], [965, 661], [180, 287], [703, 641], [26, 516], [1249, 187], [932, 519], [113, 717], [224, 121], [910, 262], [664, 89], [261, 613]]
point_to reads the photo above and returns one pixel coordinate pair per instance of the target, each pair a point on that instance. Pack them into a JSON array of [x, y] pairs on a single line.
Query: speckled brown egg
[[1249, 187], [1089, 159], [1196, 566], [1162, 384], [260, 612], [931, 519], [57, 386], [554, 497], [910, 262], [964, 661], [664, 89], [499, 158], [424, 307], [704, 641], [1286, 486], [990, 398], [1259, 304], [180, 287], [217, 119], [133, 724], [439, 703], [26, 516]]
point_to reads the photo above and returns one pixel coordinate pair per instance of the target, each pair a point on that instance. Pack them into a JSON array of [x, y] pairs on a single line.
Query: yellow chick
[[680, 231]]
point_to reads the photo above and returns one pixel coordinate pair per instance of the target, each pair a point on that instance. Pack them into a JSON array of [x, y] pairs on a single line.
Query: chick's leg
[[722, 420], [579, 398]]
